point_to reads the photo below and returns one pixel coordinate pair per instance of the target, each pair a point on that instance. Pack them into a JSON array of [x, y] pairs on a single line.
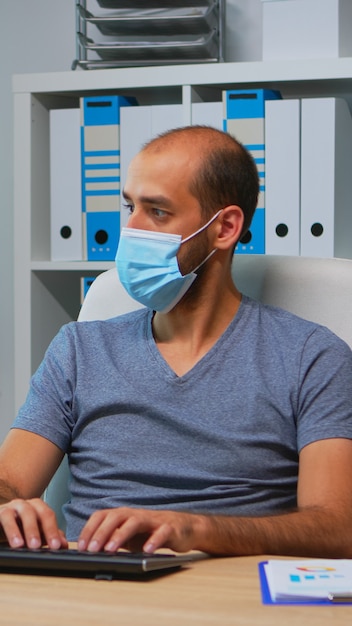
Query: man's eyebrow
[[159, 200]]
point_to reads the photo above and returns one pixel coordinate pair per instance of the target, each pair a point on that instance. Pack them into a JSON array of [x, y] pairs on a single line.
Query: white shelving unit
[[46, 292]]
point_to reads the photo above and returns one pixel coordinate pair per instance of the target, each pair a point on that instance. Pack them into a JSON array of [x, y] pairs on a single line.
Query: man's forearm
[[307, 532], [7, 492]]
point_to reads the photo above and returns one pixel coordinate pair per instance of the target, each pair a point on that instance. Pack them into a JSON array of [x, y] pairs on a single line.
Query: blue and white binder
[[244, 119], [65, 185], [100, 140], [326, 168], [282, 176]]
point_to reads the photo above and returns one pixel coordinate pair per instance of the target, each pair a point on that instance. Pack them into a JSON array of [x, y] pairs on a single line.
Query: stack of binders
[[308, 171], [85, 179], [302, 149]]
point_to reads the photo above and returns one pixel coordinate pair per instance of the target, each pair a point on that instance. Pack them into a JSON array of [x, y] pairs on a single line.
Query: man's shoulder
[[269, 312], [274, 319], [93, 330]]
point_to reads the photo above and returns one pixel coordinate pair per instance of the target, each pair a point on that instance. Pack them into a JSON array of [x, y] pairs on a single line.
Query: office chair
[[317, 289]]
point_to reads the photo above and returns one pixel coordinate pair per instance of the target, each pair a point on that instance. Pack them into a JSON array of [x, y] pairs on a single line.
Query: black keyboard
[[103, 565]]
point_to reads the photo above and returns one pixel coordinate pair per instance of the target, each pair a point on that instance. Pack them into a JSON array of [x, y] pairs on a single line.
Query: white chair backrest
[[317, 289], [106, 297]]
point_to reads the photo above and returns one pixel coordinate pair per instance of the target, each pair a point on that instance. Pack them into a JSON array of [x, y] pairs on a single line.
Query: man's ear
[[230, 226]]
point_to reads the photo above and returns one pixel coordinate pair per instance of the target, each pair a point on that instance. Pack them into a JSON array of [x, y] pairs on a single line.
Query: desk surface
[[209, 592]]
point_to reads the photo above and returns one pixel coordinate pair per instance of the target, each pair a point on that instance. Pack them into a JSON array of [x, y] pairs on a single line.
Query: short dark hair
[[226, 173]]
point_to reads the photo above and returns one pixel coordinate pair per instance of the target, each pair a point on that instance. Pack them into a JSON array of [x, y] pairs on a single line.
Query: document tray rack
[[117, 33]]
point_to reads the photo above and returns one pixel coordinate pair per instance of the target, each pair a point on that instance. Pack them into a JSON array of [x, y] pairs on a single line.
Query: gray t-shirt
[[224, 438]]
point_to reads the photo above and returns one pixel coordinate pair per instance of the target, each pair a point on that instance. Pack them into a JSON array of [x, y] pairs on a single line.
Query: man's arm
[[27, 462], [321, 525]]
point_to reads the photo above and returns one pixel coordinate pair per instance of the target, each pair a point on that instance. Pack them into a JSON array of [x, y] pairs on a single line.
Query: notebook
[[308, 581], [100, 565]]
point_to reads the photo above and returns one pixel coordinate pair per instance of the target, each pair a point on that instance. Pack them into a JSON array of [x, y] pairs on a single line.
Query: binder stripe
[[102, 166], [104, 192], [90, 153], [102, 179], [254, 146]]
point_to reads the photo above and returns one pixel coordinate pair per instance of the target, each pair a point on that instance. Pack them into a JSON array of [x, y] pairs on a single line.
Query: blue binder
[[244, 119], [100, 150]]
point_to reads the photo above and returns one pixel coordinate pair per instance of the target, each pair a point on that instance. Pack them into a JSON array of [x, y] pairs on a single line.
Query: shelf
[[311, 74], [72, 266]]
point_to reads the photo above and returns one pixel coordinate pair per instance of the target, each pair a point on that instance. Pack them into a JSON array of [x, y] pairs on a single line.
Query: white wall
[[39, 36]]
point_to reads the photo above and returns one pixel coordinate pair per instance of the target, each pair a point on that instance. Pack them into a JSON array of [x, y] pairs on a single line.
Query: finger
[[90, 528], [31, 523], [64, 542], [127, 534], [133, 545], [20, 525], [10, 528], [51, 534], [112, 529], [159, 539]]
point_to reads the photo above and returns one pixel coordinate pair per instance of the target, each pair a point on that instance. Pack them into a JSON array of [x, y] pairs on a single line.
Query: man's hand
[[30, 523], [140, 529]]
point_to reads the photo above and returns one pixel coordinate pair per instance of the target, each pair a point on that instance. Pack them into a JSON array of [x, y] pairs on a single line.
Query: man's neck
[[185, 334]]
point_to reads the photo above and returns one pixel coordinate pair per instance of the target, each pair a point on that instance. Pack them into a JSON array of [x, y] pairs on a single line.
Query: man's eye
[[128, 207], [159, 212]]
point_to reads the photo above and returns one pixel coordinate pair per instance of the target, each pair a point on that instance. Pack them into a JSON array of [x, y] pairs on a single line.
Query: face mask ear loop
[[205, 260], [203, 228]]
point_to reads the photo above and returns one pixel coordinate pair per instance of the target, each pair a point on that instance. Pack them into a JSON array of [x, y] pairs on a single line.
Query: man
[[205, 421]]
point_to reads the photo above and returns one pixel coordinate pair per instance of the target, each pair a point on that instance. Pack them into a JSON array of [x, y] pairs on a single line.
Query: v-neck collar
[[166, 370]]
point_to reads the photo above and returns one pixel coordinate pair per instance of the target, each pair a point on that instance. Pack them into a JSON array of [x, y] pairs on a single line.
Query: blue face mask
[[148, 269]]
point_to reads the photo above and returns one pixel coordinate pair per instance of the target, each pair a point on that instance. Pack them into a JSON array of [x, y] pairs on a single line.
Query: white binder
[[208, 114], [282, 167], [326, 172], [137, 126], [65, 185]]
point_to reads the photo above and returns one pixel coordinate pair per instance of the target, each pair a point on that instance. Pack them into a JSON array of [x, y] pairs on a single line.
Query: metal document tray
[[148, 51], [157, 4], [144, 22], [148, 32]]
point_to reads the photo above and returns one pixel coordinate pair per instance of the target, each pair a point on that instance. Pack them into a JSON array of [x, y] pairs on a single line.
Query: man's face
[[157, 195]]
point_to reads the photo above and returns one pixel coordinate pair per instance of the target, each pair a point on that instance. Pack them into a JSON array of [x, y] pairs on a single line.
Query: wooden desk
[[214, 592]]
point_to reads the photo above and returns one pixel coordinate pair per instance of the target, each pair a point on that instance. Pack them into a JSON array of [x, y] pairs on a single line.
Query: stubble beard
[[197, 250]]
